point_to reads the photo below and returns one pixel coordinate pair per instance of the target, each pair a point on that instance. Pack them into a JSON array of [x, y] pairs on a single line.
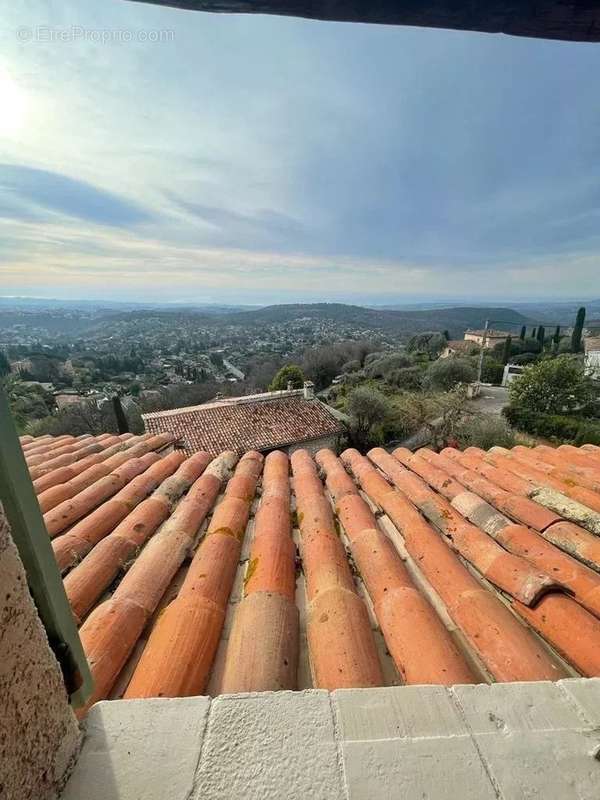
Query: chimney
[[290, 386], [309, 390]]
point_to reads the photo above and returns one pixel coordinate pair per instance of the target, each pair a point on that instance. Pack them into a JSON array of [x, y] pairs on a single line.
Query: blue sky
[[264, 159]]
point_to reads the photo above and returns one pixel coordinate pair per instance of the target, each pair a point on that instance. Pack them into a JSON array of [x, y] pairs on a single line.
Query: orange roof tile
[[420, 645], [262, 650], [186, 576], [340, 640]]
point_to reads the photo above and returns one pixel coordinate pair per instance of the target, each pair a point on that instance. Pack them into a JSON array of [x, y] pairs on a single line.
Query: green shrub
[[351, 366], [588, 434], [492, 372], [484, 431], [291, 373], [554, 385], [446, 373], [430, 342], [383, 366], [524, 358], [369, 359], [552, 426], [408, 378]]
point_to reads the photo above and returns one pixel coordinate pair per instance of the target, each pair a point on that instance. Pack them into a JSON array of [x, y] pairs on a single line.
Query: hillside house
[[490, 336], [459, 347], [591, 359]]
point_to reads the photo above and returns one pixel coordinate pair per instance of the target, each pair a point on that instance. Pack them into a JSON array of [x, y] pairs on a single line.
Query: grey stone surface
[[140, 750], [270, 745], [39, 735], [502, 742], [545, 765], [516, 707], [406, 769], [396, 712], [586, 694]]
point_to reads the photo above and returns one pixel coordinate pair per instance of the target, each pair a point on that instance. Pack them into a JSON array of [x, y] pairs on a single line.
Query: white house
[[591, 346]]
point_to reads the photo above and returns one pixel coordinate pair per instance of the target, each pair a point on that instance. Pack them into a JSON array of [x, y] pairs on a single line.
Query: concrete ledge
[[506, 741]]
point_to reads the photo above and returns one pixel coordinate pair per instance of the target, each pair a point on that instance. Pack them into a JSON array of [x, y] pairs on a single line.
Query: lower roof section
[[506, 741]]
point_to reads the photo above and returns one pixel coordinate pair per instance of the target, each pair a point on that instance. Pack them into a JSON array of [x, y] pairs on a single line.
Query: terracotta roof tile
[[259, 425], [262, 650], [420, 645], [191, 625], [340, 639], [187, 577], [507, 651], [510, 573]]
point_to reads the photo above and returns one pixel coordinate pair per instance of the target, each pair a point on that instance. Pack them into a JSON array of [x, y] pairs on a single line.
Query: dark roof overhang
[[578, 20]]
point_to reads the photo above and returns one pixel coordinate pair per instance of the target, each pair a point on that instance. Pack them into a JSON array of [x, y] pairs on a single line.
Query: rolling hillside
[[455, 320]]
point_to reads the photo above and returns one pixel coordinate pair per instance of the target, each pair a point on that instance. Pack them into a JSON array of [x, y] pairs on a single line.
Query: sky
[[155, 154]]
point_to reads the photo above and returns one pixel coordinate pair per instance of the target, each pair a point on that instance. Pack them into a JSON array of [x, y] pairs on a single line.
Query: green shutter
[[31, 538]]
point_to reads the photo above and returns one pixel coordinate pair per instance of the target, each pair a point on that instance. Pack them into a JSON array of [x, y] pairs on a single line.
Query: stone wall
[[507, 741], [39, 736]]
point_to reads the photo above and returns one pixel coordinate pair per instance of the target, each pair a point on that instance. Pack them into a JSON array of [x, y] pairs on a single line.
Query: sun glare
[[12, 105]]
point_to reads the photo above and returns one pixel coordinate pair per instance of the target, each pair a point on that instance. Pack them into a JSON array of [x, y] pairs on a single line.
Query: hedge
[[574, 429]]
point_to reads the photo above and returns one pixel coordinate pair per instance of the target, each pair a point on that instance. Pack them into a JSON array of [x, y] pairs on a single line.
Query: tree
[[556, 337], [4, 365], [578, 331], [507, 350], [531, 345], [430, 342], [541, 333], [523, 333], [368, 409], [383, 366], [551, 386], [446, 373], [291, 373], [534, 333], [321, 364], [351, 366]]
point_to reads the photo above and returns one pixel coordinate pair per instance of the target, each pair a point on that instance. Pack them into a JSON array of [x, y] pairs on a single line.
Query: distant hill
[[73, 320], [455, 320]]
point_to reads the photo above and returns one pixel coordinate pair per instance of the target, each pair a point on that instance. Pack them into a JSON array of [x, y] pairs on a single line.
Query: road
[[491, 400]]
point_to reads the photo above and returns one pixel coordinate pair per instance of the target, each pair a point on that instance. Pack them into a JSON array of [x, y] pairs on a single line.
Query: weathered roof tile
[[241, 426]]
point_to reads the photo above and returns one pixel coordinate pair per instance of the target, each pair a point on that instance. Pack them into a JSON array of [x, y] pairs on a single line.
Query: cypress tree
[[578, 331], [534, 333], [446, 336], [541, 335], [557, 334], [506, 352], [523, 333]]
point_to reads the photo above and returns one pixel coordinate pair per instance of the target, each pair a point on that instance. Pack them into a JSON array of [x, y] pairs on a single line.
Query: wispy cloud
[[61, 194], [267, 158]]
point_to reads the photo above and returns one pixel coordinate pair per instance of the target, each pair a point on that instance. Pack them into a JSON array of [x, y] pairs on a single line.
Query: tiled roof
[[462, 345], [490, 334], [591, 343], [192, 575], [260, 425]]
